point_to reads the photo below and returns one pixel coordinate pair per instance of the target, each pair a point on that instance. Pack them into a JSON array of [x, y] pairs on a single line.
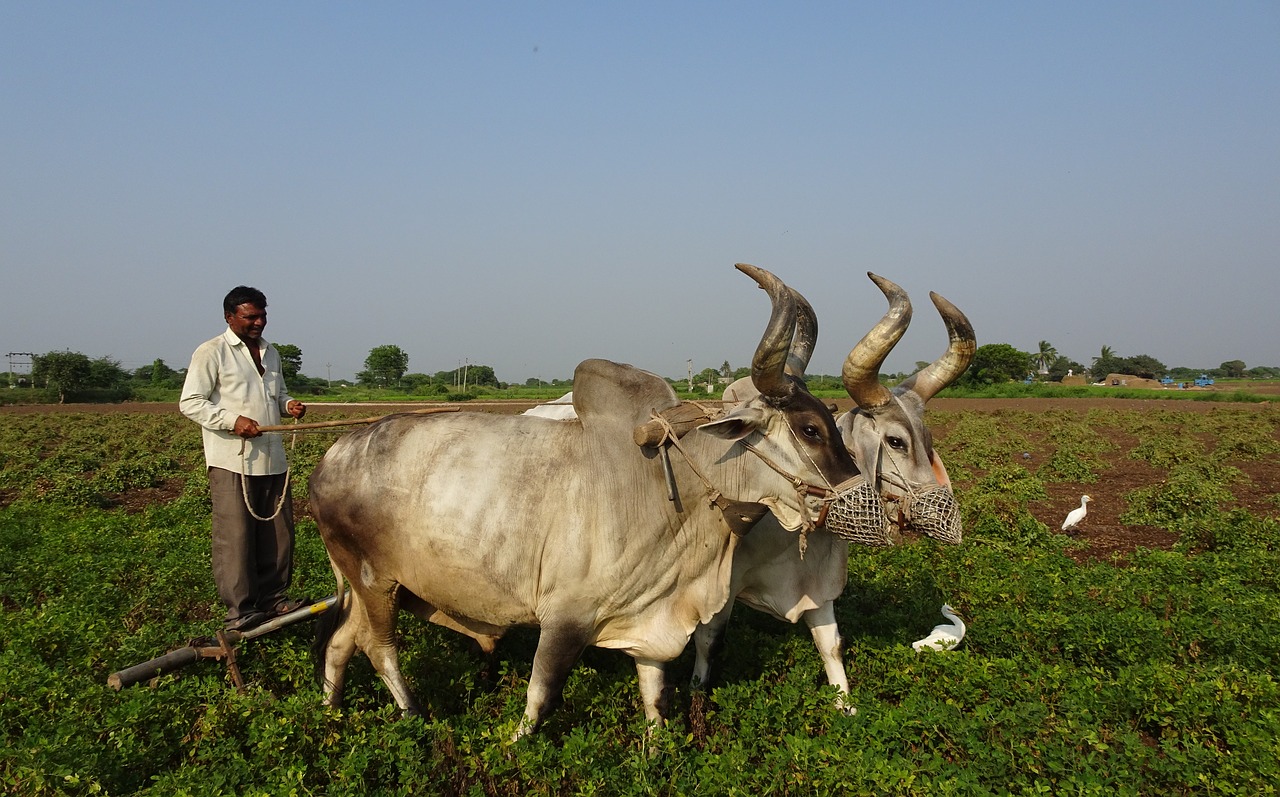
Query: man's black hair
[[243, 294]]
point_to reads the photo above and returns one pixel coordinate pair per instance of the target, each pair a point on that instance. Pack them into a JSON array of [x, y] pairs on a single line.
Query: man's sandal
[[288, 605]]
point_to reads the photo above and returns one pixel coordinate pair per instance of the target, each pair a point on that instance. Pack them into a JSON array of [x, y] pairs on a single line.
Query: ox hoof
[[524, 727]]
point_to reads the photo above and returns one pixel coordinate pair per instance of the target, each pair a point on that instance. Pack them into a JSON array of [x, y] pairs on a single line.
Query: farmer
[[233, 386]]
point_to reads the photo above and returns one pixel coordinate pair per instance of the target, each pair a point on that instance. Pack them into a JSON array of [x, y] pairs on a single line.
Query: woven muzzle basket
[[857, 514], [935, 514]]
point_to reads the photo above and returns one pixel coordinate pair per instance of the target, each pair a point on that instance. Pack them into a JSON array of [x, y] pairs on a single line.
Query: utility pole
[[690, 362], [27, 362]]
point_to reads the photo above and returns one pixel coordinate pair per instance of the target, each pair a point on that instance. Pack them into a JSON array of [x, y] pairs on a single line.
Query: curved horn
[[946, 369], [806, 337], [767, 365], [861, 370]]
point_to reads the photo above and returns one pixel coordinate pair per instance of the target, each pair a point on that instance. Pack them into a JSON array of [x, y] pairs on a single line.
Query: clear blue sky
[[525, 185]]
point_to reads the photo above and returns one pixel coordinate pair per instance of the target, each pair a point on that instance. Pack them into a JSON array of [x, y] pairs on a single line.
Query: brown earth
[[1102, 534]]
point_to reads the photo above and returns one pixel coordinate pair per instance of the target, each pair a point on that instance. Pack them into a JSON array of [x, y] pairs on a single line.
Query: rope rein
[[244, 479], [323, 427]]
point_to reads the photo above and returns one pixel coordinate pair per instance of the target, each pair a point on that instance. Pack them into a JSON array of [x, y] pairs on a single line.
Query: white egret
[[945, 636], [1076, 515]]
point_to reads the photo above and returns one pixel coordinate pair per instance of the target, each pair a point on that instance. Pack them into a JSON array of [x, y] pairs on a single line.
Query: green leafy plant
[[1193, 490], [1154, 674]]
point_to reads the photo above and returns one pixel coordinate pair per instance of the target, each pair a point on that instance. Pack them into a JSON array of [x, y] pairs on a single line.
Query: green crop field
[[1147, 666]]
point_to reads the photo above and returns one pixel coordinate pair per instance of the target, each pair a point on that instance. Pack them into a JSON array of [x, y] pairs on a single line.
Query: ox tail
[[328, 623]]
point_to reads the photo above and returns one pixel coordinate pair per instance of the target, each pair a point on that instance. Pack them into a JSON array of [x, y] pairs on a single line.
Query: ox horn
[[769, 361], [806, 337], [943, 371], [861, 372]]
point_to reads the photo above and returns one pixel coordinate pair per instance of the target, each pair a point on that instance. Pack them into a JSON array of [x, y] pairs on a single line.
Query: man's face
[[248, 321]]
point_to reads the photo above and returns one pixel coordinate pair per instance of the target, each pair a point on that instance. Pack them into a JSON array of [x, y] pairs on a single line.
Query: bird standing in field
[[1076, 515], [945, 636]]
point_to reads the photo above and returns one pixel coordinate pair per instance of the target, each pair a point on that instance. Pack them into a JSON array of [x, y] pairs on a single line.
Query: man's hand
[[246, 427], [296, 408]]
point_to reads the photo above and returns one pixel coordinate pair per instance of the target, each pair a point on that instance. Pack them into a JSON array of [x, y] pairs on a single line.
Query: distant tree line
[[1000, 362], [387, 366], [74, 376]]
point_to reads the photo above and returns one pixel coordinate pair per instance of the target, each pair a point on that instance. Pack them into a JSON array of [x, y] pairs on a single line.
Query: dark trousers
[[252, 559]]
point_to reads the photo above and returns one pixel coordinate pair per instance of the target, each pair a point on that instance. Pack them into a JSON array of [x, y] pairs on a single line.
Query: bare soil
[[1102, 533]]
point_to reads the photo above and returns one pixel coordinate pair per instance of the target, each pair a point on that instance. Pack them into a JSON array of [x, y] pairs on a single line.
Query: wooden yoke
[[683, 418]]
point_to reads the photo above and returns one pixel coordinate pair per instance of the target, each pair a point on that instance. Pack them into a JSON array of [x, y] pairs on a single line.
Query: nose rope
[[896, 477], [828, 494], [803, 489], [931, 509], [851, 510], [907, 495]]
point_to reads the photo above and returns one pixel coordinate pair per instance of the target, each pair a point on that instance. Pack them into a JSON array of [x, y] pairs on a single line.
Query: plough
[[223, 646], [222, 649]]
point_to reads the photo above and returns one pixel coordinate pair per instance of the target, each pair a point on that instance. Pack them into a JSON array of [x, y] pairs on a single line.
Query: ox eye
[[896, 443], [810, 431]]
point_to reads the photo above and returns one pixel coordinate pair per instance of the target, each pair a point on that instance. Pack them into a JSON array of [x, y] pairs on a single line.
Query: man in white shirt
[[234, 385]]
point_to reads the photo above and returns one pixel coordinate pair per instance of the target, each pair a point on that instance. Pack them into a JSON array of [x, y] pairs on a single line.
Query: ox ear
[[737, 424], [939, 470]]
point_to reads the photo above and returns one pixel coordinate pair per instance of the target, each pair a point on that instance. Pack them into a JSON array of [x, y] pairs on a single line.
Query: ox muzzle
[[932, 512], [855, 513], [851, 510]]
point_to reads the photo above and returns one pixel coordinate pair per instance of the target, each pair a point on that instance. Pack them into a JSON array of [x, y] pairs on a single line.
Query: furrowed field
[[1136, 656]]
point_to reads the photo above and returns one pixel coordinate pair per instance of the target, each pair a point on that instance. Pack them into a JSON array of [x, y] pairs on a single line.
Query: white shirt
[[223, 383]]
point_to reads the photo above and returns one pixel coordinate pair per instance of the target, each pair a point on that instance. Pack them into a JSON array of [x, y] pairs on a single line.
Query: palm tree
[[1045, 357], [1103, 363]]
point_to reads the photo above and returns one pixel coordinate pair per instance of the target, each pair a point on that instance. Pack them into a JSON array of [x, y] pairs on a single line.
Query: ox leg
[[707, 639], [339, 650], [826, 637], [380, 646], [653, 689], [558, 650]]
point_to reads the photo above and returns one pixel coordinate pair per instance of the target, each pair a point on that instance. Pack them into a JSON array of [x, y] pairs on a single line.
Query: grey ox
[[482, 522], [893, 449]]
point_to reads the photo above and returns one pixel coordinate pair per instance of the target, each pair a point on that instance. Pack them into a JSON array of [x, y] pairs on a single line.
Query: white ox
[[483, 522], [560, 409], [893, 448]]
